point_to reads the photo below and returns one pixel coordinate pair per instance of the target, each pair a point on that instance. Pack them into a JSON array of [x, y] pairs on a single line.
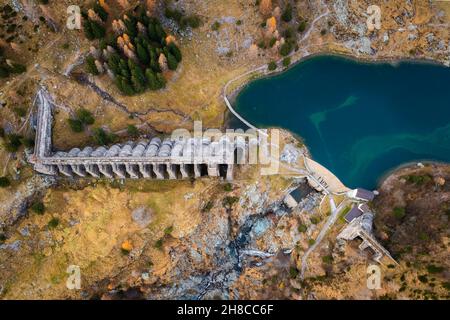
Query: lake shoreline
[[393, 61]]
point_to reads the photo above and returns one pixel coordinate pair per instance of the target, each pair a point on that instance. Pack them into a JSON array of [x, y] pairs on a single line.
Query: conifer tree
[[88, 32], [161, 80], [161, 34], [101, 12], [152, 81], [127, 88], [175, 51], [142, 54], [97, 29], [152, 32]]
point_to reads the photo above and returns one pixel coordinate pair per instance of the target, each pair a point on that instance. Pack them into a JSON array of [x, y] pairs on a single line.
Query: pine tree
[[152, 32], [124, 71], [4, 72], [118, 82], [114, 63], [161, 34], [175, 51], [172, 63], [152, 52], [142, 54], [161, 80], [152, 81], [88, 32], [98, 30], [101, 12], [131, 26], [138, 85], [155, 65], [127, 88]]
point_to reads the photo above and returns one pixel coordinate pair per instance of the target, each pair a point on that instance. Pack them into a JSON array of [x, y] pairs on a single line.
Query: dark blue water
[[358, 119]]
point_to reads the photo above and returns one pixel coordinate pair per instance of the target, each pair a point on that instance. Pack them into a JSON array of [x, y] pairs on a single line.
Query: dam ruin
[[153, 158]]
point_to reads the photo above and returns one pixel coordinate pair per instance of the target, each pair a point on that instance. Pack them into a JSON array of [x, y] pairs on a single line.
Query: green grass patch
[[399, 212]]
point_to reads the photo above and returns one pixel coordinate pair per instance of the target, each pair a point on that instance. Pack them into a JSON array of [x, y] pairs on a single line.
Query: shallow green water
[[358, 119]]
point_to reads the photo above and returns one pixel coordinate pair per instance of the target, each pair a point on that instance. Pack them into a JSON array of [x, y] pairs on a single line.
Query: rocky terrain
[[204, 239]]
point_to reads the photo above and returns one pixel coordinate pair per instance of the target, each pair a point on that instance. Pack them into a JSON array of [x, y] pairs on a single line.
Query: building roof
[[364, 194], [353, 214]]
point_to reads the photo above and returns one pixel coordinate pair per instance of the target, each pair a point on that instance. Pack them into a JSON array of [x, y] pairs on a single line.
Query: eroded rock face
[[15, 207]]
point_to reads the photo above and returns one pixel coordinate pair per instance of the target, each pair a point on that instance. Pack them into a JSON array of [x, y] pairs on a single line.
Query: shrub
[[423, 278], [272, 66], [215, 26], [327, 259], [38, 207], [4, 182], [434, 269], [13, 142], [272, 42], [314, 220], [293, 272], [191, 21], [208, 206], [125, 251], [75, 125], [2, 132], [53, 223], [159, 244], [302, 228], [446, 285], [20, 112], [101, 137], [173, 14], [2, 238], [301, 26], [85, 116], [4, 72], [132, 130], [168, 230], [323, 32], [311, 242], [286, 48], [18, 68], [418, 180], [289, 34], [286, 62], [228, 187], [27, 142], [228, 202]]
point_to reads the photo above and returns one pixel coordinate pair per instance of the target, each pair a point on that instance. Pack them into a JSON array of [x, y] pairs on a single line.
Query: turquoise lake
[[360, 120]]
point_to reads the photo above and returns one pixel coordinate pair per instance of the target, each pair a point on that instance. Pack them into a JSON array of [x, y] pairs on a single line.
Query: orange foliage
[[126, 245]]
